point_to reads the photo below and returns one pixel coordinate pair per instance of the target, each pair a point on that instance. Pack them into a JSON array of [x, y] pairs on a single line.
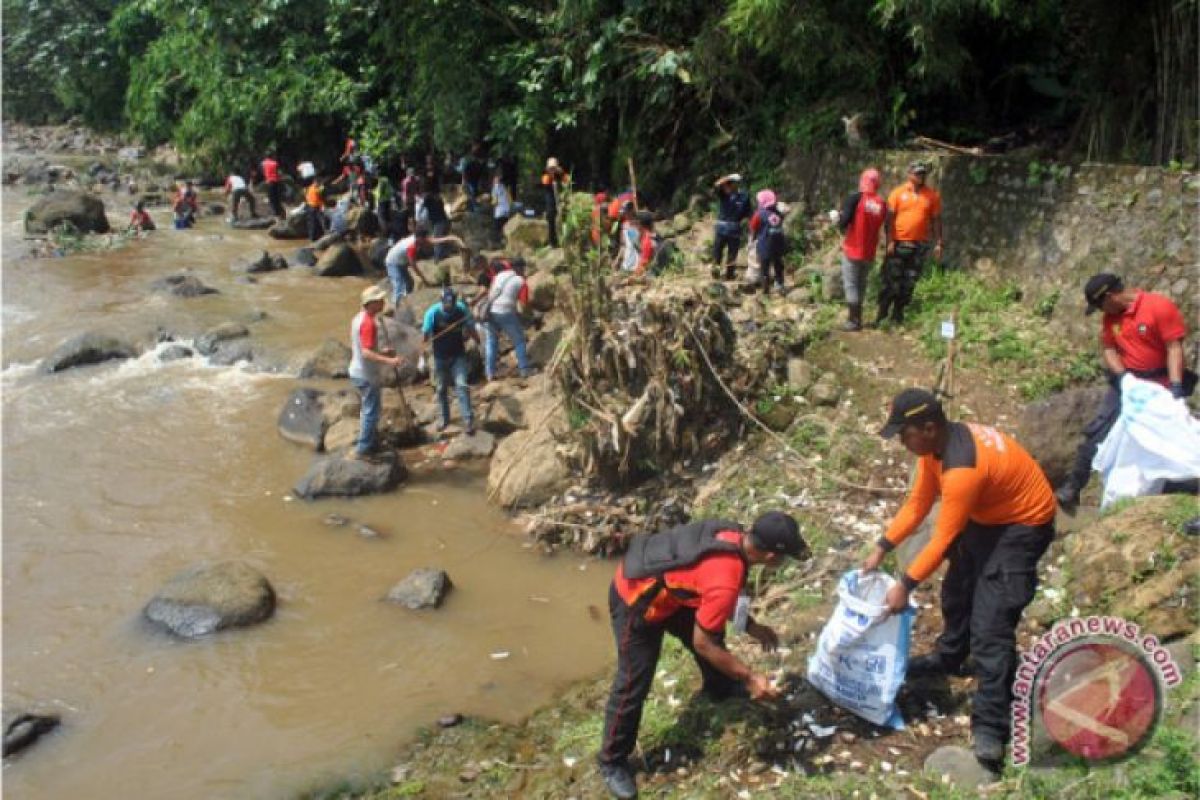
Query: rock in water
[[253, 224], [87, 348], [338, 476], [182, 286], [210, 597], [294, 227], [331, 360], [305, 257], [1052, 429], [526, 470], [175, 352], [209, 341], [960, 766], [423, 588], [302, 419], [480, 445], [263, 263], [25, 729], [84, 211], [230, 353], [339, 261]]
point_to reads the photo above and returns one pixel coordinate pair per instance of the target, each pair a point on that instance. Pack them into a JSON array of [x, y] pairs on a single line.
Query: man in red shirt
[[688, 582], [1142, 333], [860, 220], [270, 171]]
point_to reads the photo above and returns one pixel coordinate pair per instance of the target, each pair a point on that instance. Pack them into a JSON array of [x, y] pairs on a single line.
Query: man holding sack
[[996, 521]]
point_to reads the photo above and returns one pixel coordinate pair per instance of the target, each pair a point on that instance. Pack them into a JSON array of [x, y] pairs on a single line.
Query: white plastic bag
[[862, 654], [1155, 440], [753, 269]]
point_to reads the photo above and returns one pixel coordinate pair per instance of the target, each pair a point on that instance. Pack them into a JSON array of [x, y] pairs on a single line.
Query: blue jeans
[[398, 275], [445, 371], [510, 324], [368, 419]]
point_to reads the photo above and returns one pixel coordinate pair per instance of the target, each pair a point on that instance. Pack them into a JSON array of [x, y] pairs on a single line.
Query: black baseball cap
[[776, 532], [1098, 287], [911, 407], [919, 167]]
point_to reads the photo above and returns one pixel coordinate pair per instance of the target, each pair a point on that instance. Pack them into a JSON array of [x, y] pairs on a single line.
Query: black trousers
[[275, 198], [991, 578], [237, 197], [638, 646], [774, 261], [727, 244], [316, 223], [900, 273], [552, 224]]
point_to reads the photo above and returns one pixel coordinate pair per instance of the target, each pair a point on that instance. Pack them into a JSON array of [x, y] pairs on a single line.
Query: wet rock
[[182, 286], [336, 520], [302, 419], [252, 224], [210, 597], [24, 729], [295, 226], [175, 352], [826, 391], [423, 588], [960, 766], [305, 257], [208, 342], [213, 209], [543, 289], [526, 470], [83, 211], [398, 426], [480, 445], [229, 353], [800, 375], [525, 235], [339, 261], [1052, 429], [330, 360], [85, 349], [338, 476], [263, 263]]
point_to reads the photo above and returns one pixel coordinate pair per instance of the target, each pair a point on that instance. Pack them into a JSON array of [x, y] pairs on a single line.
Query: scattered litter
[[500, 655], [570, 761], [669, 682], [886, 766], [822, 731], [536, 599]]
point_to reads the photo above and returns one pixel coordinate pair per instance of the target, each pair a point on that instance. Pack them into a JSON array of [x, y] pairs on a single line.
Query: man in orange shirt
[[1142, 333], [996, 521], [688, 582], [914, 228], [554, 184]]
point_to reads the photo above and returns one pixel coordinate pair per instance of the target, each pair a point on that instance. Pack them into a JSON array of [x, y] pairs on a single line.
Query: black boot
[[898, 314], [853, 317], [729, 273]]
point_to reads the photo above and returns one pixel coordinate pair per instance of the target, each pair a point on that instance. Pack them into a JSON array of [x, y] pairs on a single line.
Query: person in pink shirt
[[860, 220]]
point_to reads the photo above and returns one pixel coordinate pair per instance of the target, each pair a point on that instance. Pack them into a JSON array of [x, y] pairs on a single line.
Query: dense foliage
[[680, 85]]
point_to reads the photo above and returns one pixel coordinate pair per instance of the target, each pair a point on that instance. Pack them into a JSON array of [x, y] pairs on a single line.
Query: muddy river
[[119, 475]]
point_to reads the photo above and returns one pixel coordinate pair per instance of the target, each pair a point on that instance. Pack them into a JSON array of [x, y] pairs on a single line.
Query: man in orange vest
[[913, 230], [314, 207]]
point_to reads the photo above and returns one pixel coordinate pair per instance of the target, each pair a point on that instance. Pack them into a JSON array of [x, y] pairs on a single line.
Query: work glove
[[1177, 390]]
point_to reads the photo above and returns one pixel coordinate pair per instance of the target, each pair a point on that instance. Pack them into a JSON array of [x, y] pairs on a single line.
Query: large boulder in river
[[23, 729], [209, 342], [525, 235], [294, 226], [252, 224], [84, 349], [338, 476], [422, 588], [210, 597], [302, 419], [339, 261], [182, 286], [84, 211], [330, 360], [1052, 429], [525, 469], [480, 445], [262, 263]]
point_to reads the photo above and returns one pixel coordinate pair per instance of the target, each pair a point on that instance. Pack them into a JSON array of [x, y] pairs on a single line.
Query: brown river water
[[119, 475]]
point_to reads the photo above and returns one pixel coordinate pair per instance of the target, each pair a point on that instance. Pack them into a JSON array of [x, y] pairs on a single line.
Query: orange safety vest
[[314, 196]]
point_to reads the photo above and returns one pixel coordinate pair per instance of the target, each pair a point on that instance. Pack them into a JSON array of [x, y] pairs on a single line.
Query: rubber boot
[[729, 272], [853, 317]]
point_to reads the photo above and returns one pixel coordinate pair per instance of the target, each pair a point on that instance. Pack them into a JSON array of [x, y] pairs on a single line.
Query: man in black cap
[[996, 521], [913, 230], [446, 327], [1142, 333], [688, 582]]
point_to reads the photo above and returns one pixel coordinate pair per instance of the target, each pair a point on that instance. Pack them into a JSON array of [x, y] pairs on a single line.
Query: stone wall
[[1049, 228]]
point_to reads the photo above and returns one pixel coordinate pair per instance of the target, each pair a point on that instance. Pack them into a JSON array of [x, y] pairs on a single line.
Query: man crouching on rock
[[366, 362], [688, 582], [996, 521]]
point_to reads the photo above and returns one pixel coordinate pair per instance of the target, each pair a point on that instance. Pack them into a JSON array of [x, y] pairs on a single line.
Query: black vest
[[682, 546]]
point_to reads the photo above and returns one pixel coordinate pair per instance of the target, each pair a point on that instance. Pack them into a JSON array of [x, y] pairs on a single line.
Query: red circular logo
[[1098, 699]]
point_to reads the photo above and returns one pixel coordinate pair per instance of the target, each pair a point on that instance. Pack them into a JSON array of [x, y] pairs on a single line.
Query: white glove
[[835, 216]]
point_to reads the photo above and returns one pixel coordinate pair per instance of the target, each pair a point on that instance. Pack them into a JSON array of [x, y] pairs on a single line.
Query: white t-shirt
[[402, 252], [235, 183], [505, 288], [306, 169]]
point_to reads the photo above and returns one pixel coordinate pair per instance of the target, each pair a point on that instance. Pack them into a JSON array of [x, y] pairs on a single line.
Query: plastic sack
[[1154, 440], [753, 269], [862, 654]]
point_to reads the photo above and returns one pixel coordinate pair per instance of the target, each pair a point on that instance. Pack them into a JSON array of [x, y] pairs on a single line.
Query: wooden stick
[[953, 148], [633, 184]]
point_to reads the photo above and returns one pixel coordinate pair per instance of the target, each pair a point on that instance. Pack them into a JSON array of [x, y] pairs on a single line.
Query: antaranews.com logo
[[1092, 687]]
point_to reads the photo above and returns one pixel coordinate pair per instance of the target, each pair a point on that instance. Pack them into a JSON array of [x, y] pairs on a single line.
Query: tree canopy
[[680, 85]]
